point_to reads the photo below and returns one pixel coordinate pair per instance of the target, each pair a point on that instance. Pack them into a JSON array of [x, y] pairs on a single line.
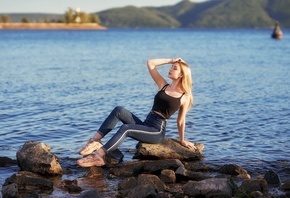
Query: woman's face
[[175, 71]]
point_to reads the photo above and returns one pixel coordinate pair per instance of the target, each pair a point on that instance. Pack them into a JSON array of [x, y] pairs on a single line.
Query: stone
[[285, 186], [235, 170], [146, 185], [28, 182], [250, 186], [37, 158], [89, 194], [213, 187], [127, 183], [168, 149], [167, 176], [10, 190], [272, 178], [149, 166], [71, 186], [6, 161], [184, 174]]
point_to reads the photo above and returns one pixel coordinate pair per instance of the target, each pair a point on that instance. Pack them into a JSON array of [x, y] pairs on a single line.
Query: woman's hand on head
[[174, 60], [187, 144]]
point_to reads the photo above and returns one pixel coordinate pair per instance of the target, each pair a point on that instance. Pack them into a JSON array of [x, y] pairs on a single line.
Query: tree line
[[70, 16]]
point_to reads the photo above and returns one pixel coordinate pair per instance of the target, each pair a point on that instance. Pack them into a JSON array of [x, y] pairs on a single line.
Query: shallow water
[[58, 86]]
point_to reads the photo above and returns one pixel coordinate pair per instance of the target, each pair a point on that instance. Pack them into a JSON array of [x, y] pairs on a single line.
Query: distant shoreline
[[51, 26]]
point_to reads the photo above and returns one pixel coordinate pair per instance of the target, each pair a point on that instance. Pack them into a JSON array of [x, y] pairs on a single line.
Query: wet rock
[[89, 194], [138, 167], [6, 161], [10, 190], [70, 185], [213, 187], [146, 185], [168, 176], [28, 182], [198, 167], [37, 158], [272, 178], [256, 194], [94, 172], [235, 170], [183, 174], [250, 186], [285, 186], [168, 149], [127, 183]]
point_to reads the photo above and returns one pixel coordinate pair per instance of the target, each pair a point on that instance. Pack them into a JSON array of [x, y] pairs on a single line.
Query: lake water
[[58, 86]]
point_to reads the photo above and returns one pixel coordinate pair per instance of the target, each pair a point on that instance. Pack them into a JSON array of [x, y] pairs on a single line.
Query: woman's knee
[[118, 109]]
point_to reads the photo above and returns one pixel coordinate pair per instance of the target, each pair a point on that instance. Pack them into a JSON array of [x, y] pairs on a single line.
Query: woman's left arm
[[181, 122]]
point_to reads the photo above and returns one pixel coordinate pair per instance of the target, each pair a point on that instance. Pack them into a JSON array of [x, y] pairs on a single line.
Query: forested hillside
[[213, 13]]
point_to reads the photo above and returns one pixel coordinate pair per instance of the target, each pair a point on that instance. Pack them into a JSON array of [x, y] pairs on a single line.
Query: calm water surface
[[58, 86]]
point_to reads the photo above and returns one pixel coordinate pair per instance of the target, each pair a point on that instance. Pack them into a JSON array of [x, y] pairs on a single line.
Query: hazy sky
[[60, 6]]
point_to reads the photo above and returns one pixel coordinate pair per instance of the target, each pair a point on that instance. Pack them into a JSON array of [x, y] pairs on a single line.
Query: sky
[[60, 6]]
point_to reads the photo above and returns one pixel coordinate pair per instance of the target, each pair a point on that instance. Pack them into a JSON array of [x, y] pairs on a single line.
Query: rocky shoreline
[[158, 170], [51, 26]]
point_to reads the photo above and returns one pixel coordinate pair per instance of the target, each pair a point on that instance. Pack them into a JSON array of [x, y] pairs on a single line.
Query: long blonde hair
[[186, 82]]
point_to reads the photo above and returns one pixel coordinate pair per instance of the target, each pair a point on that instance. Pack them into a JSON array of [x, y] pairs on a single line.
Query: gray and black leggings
[[152, 130]]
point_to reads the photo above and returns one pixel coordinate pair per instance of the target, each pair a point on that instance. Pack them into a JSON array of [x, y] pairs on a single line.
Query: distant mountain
[[187, 14], [214, 14]]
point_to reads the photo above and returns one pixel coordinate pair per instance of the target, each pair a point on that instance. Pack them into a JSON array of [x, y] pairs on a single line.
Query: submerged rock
[[168, 149], [37, 158]]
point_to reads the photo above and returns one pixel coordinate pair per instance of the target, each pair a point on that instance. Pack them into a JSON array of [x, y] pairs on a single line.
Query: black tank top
[[165, 104]]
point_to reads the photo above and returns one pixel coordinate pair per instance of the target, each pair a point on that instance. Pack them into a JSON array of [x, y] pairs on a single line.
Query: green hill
[[213, 13]]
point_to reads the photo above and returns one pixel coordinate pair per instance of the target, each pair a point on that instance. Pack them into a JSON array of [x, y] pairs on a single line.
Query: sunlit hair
[[186, 81]]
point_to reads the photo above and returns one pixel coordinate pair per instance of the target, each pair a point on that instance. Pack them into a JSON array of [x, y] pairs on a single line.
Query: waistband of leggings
[[158, 116]]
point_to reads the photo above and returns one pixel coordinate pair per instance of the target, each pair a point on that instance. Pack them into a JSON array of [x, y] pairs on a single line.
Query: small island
[[71, 20], [51, 26]]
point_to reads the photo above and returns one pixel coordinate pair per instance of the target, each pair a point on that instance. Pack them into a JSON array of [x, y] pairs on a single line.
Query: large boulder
[[26, 183], [213, 187], [168, 149], [37, 158]]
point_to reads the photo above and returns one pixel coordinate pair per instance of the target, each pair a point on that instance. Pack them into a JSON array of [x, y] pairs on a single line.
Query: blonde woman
[[171, 97]]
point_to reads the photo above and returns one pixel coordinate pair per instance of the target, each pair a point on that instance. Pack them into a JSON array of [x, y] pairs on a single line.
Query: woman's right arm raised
[[152, 64]]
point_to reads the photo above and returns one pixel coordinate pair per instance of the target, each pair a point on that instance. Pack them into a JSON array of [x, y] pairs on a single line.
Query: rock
[[272, 178], [10, 190], [142, 191], [250, 186], [183, 174], [233, 169], [213, 187], [152, 180], [127, 183], [89, 194], [146, 185], [285, 186], [94, 172], [28, 182], [138, 167], [6, 161], [168, 149], [70, 185], [168, 176], [37, 158], [198, 167], [256, 194]]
